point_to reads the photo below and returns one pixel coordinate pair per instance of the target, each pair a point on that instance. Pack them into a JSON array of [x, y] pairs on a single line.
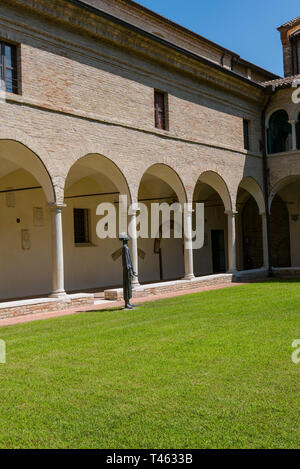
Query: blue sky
[[245, 27]]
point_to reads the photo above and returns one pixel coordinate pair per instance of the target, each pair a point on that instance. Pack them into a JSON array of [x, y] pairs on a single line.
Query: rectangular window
[[8, 68], [246, 124], [81, 226], [161, 110]]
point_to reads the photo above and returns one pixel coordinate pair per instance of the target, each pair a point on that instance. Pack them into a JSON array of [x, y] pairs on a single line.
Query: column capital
[[293, 122], [188, 212], [132, 212], [56, 206], [188, 208], [233, 213]]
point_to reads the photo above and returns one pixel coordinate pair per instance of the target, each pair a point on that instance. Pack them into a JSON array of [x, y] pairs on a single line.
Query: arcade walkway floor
[[207, 370]]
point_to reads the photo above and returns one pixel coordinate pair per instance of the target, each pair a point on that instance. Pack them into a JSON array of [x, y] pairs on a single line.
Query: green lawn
[[209, 370]]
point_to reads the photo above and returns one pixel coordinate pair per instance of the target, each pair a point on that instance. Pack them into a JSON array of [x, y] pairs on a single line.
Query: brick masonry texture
[[87, 87], [117, 294], [81, 95], [25, 310]]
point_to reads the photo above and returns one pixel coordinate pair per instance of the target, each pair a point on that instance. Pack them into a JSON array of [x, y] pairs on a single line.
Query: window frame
[[247, 134], [165, 110], [87, 227], [14, 68], [279, 133]]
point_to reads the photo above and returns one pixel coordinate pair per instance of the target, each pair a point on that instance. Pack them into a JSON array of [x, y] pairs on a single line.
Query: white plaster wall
[[149, 266], [90, 266], [172, 260], [24, 272]]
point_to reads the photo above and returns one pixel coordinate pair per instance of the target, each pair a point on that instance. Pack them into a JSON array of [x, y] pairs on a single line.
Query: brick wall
[[289, 58], [80, 94], [87, 88]]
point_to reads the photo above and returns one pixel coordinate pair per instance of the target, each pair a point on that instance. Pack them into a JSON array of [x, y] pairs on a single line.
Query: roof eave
[[162, 41]]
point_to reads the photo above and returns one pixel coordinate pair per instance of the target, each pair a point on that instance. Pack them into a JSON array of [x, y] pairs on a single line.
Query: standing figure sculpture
[[128, 271]]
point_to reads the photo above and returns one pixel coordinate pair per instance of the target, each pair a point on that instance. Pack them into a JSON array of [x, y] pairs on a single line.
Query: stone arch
[[161, 183], [212, 191], [22, 152], [27, 186], [214, 180], [251, 207], [280, 185], [98, 163], [284, 209], [91, 180], [250, 185], [168, 175], [271, 112]]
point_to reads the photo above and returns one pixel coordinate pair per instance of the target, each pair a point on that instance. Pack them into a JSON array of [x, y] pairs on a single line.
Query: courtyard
[[208, 370]]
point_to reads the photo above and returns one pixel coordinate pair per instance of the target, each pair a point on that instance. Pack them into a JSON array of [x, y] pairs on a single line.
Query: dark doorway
[[280, 234], [252, 236], [218, 251]]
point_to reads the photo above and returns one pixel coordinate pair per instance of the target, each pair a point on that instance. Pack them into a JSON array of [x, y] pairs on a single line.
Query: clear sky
[[248, 28]]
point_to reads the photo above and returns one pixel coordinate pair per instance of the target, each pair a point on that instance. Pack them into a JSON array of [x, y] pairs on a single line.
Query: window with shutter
[[8, 68], [160, 104]]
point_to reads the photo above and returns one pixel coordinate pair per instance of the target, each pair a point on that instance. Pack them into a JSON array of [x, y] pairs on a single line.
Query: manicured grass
[[210, 370]]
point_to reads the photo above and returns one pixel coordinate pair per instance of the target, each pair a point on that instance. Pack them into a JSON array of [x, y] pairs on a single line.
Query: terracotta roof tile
[[281, 82], [290, 23]]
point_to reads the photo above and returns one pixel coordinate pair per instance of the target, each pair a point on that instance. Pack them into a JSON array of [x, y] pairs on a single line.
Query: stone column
[[134, 244], [231, 241], [188, 245], [294, 135], [58, 284], [265, 240]]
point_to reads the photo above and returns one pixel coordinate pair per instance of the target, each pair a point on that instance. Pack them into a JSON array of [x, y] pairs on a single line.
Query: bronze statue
[[128, 272]]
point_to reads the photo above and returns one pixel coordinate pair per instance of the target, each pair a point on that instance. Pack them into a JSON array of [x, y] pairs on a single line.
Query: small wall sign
[[26, 241], [38, 216]]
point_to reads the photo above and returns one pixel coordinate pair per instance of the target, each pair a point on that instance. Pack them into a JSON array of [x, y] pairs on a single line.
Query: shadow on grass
[[269, 280], [273, 280]]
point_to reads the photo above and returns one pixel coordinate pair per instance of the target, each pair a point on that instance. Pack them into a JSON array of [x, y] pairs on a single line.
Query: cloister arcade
[[48, 248]]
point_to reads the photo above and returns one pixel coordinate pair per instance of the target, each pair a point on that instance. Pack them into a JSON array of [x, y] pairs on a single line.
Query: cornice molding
[[105, 28]]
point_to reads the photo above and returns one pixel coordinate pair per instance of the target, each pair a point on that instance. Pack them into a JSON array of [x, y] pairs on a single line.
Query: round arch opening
[[26, 190], [212, 191], [251, 208], [92, 263], [279, 132], [161, 259], [284, 207]]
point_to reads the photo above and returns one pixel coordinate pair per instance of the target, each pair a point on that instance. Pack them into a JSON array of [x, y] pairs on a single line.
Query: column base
[[232, 271], [59, 294], [135, 284], [189, 277]]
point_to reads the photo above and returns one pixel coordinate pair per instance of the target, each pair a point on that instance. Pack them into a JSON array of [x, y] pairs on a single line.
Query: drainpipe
[[266, 181]]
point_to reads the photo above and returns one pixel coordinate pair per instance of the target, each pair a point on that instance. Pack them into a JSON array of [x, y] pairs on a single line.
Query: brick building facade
[[104, 97]]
